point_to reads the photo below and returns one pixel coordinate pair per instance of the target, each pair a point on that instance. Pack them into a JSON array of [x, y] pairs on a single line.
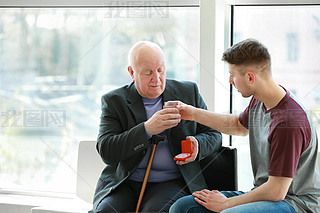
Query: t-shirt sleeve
[[287, 143]]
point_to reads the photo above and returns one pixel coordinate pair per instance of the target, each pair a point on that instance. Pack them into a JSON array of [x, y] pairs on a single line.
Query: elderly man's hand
[[162, 120], [194, 154]]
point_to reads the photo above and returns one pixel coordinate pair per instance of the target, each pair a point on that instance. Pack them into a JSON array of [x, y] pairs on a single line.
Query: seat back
[[220, 169], [89, 168]]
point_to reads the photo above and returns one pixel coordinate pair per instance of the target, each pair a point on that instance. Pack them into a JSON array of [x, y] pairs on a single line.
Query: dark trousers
[[158, 197]]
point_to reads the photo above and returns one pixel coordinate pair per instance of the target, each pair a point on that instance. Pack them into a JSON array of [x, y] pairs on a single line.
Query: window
[[291, 33], [56, 63]]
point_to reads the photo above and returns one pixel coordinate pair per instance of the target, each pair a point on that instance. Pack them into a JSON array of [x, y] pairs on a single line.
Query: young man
[[283, 142], [130, 116]]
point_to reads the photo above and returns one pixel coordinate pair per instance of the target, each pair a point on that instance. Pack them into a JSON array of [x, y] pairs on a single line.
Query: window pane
[[292, 35], [56, 63]]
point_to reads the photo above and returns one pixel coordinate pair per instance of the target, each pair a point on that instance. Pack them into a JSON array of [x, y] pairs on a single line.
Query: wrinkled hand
[[194, 154], [162, 120], [187, 112], [212, 200]]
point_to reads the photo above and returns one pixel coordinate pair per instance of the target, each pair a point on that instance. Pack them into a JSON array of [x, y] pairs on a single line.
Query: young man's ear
[[251, 77], [131, 72]]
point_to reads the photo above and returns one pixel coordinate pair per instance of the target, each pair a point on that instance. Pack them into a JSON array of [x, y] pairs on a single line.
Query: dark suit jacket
[[122, 140]]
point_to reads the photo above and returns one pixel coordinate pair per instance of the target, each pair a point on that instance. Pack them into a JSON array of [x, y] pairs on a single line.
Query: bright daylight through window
[[55, 63]]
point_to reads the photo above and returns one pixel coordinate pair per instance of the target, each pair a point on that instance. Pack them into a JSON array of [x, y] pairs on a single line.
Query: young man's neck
[[270, 94]]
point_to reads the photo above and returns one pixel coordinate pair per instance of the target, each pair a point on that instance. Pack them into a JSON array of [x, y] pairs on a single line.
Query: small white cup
[[171, 104]]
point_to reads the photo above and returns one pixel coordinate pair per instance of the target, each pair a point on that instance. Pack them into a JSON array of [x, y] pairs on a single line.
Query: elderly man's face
[[149, 72]]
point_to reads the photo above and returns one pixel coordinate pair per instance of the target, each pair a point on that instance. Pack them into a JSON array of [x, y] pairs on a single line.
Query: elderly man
[[130, 116]]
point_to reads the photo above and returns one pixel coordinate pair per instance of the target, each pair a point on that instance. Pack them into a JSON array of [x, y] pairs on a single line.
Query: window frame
[[97, 3]]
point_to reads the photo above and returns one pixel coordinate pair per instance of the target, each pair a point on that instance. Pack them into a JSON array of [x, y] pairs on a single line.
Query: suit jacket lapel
[[135, 104], [169, 93]]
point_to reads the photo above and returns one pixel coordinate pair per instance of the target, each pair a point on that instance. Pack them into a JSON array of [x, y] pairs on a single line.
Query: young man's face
[[149, 74], [239, 81]]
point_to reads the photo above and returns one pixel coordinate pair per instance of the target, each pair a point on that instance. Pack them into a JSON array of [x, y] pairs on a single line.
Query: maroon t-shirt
[[281, 134]]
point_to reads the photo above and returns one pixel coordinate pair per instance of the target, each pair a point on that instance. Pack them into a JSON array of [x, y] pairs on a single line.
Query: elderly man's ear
[[130, 70]]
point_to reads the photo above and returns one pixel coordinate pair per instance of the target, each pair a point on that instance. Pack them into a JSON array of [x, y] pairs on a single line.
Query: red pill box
[[186, 148]]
